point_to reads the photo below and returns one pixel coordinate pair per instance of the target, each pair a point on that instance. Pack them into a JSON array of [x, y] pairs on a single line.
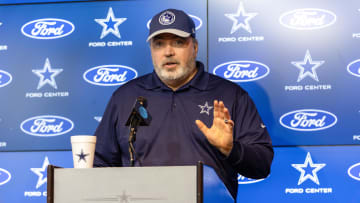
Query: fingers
[[226, 114], [220, 111], [202, 127], [216, 108]]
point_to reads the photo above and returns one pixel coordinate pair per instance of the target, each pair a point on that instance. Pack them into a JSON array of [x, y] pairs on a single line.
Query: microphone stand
[[134, 123], [132, 138]]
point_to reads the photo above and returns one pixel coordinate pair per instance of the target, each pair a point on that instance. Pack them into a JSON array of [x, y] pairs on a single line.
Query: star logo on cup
[[82, 156]]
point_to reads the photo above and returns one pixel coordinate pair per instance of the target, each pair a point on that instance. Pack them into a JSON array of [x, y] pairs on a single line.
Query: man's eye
[[157, 43], [179, 42]]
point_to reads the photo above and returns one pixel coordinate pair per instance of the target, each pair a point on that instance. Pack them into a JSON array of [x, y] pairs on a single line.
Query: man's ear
[[196, 45]]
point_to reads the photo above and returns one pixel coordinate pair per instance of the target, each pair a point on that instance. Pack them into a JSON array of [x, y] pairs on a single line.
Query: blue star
[[41, 172], [205, 108], [82, 156], [307, 67], [47, 75], [110, 24], [308, 170], [240, 19]]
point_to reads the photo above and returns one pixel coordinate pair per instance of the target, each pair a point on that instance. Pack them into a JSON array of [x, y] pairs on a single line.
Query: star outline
[[235, 18], [46, 71], [207, 107], [38, 172], [114, 29], [308, 162], [301, 66]]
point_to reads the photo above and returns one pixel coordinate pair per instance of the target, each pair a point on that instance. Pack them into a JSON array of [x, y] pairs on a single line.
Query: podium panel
[[126, 184]]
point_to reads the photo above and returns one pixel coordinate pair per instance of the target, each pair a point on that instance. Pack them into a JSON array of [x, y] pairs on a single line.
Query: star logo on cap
[[205, 108], [41, 173], [240, 19], [308, 170], [82, 156], [307, 67], [167, 18], [110, 24], [47, 75]]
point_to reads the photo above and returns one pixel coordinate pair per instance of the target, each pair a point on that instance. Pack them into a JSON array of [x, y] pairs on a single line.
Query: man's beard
[[179, 73]]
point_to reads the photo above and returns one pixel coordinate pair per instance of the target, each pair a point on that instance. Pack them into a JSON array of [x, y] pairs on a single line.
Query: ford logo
[[353, 68], [244, 180], [5, 176], [109, 75], [354, 171], [5, 78], [242, 71], [47, 28], [307, 19], [308, 120], [47, 125], [197, 21]]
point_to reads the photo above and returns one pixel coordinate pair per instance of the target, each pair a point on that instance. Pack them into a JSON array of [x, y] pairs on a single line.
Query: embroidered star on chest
[[205, 108]]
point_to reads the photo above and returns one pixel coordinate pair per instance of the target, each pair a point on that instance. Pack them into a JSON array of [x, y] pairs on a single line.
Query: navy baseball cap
[[172, 21]]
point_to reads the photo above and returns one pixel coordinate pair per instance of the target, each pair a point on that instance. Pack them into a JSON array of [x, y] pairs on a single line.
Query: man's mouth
[[170, 64]]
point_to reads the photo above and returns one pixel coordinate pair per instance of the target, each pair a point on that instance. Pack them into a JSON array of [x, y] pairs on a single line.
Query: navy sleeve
[[252, 152], [107, 151]]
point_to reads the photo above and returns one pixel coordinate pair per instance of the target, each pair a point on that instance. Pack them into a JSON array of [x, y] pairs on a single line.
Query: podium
[[175, 184]]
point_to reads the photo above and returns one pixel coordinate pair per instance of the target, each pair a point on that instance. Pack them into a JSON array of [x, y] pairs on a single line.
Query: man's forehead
[[168, 36]]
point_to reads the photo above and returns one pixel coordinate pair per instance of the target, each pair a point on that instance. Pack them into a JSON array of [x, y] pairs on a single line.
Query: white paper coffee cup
[[83, 149]]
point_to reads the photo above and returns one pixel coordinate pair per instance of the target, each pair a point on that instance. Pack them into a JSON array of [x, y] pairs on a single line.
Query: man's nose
[[169, 51]]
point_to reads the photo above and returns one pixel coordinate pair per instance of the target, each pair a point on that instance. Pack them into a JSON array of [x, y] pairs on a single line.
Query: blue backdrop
[[60, 63]]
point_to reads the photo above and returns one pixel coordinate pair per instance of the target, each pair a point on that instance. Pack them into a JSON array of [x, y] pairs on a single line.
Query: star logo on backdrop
[[98, 118], [47, 75], [41, 173], [240, 19], [110, 24], [308, 170], [307, 67], [82, 156], [205, 108]]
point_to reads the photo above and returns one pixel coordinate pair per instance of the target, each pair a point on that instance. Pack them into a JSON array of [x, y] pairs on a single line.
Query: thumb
[[202, 127]]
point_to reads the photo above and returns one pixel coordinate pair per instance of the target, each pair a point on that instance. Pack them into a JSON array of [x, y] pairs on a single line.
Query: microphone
[[139, 116]]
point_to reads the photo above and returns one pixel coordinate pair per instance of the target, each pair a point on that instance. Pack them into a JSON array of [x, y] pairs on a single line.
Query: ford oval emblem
[[5, 78], [47, 28], [244, 180], [307, 19], [242, 71], [5, 176], [308, 120], [109, 75], [354, 68], [47, 126], [354, 171]]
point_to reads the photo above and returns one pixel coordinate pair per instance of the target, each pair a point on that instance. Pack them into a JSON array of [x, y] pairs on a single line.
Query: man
[[183, 100]]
